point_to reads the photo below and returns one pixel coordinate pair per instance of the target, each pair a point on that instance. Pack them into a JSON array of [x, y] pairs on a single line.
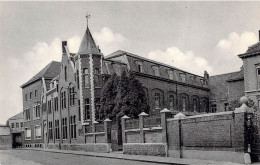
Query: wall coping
[[143, 143], [152, 128], [132, 130], [203, 115]]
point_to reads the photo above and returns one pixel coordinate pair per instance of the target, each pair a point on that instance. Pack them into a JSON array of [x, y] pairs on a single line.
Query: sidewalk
[[141, 158]]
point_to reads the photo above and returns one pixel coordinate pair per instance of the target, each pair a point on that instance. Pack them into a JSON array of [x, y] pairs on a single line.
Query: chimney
[[64, 43], [206, 75]]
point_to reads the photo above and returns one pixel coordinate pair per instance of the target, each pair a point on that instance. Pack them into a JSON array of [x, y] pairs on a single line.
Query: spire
[[88, 45]]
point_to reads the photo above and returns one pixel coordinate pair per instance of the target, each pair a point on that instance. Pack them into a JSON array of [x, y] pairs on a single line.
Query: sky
[[193, 36]]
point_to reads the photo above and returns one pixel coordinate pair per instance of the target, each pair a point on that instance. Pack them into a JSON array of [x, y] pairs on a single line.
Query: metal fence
[[132, 124], [99, 128], [152, 122]]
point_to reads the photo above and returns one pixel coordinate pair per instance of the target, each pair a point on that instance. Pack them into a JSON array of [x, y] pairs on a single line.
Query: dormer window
[[156, 71], [170, 72], [183, 77], [140, 67]]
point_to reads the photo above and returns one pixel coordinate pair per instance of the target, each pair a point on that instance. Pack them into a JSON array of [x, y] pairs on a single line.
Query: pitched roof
[[251, 51], [121, 52], [236, 77], [17, 116], [88, 44], [49, 71]]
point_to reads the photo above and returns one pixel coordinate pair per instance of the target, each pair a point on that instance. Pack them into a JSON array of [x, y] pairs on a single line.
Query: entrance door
[[45, 133], [17, 140]]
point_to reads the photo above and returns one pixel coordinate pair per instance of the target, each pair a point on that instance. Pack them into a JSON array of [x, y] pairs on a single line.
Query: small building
[[5, 137], [16, 124]]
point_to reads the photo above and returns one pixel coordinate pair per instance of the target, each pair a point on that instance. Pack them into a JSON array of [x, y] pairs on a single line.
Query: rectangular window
[[27, 114], [157, 100], [79, 110], [30, 95], [56, 104], [97, 107], [171, 102], [64, 128], [35, 93], [72, 96], [38, 133], [63, 100], [57, 129], [213, 108], [156, 71], [183, 103], [50, 130], [12, 125], [87, 109], [27, 134], [25, 97], [21, 124], [140, 67], [86, 77], [73, 127], [17, 125], [37, 111], [226, 106]]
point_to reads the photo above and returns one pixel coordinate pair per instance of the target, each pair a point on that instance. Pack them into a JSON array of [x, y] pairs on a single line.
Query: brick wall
[[5, 142]]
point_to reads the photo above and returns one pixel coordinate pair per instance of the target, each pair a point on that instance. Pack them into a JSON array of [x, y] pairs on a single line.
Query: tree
[[123, 95]]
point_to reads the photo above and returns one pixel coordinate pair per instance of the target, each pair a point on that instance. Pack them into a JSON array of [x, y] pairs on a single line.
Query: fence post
[[241, 135], [164, 128], [178, 118], [94, 131], [107, 129], [141, 126], [123, 128]]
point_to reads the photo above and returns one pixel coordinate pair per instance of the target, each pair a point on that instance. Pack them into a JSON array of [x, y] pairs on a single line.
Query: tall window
[[63, 100], [72, 96], [96, 77], [156, 71], [171, 102], [65, 73], [86, 77], [73, 127], [140, 67], [49, 106], [64, 128], [213, 108], [57, 129], [56, 104], [30, 95], [35, 93], [38, 133], [87, 109], [12, 125], [194, 105], [77, 77], [27, 114], [27, 133], [258, 77], [79, 110], [157, 100], [37, 111], [97, 107], [184, 99], [17, 125], [21, 124], [170, 72], [50, 130], [25, 97]]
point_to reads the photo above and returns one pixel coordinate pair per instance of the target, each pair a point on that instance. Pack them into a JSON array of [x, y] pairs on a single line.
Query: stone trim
[[92, 90]]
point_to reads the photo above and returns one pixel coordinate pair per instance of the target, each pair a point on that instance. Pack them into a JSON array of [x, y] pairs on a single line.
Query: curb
[[106, 156]]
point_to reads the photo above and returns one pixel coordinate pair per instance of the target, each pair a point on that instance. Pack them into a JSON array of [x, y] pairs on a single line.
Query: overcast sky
[[194, 36]]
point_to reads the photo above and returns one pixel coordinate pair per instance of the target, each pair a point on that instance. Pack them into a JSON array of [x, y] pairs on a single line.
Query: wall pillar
[[123, 119], [164, 128], [107, 128], [94, 130], [141, 126]]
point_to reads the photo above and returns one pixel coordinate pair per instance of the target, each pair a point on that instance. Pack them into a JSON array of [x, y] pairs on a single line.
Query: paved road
[[28, 157]]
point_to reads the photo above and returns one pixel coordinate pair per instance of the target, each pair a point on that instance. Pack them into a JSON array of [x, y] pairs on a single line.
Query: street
[[29, 157]]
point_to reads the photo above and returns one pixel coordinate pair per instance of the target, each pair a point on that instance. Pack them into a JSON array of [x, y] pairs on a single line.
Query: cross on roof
[[87, 17]]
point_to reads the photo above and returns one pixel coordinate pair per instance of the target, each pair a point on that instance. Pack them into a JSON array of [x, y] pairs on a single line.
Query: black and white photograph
[[129, 82]]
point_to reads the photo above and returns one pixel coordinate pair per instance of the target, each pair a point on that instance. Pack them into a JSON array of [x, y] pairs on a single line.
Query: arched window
[[204, 105], [195, 104], [184, 102]]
